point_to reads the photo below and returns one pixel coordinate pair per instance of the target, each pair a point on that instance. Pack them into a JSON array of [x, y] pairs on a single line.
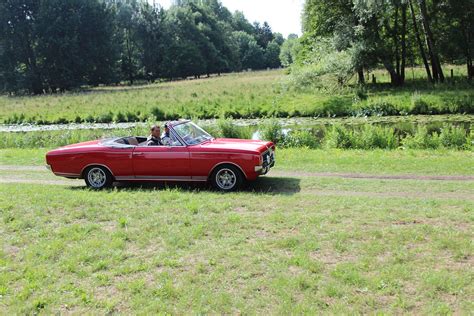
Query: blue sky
[[284, 16]]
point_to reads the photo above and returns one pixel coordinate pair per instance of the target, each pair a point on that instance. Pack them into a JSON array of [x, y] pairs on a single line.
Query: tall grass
[[367, 136], [247, 95]]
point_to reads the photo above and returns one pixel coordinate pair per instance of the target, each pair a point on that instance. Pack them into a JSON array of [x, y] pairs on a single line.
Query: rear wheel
[[227, 178], [97, 177]]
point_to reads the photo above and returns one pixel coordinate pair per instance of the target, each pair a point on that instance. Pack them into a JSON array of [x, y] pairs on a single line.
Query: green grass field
[[293, 242], [248, 95], [327, 231]]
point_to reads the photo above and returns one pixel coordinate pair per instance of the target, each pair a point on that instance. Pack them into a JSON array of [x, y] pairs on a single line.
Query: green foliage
[[227, 129], [422, 140], [451, 137], [454, 137], [53, 46], [272, 131], [301, 138], [390, 34], [369, 137]]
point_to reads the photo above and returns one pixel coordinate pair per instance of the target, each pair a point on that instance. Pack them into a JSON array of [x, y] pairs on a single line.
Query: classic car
[[190, 155]]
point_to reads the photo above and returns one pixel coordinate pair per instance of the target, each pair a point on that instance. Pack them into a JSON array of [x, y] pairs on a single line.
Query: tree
[[263, 34], [272, 55], [430, 41], [19, 62], [251, 55], [289, 51]]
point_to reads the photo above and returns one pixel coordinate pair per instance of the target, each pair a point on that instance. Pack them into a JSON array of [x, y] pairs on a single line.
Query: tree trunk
[[404, 44], [394, 77], [360, 72], [467, 52], [435, 63], [420, 43], [397, 42]]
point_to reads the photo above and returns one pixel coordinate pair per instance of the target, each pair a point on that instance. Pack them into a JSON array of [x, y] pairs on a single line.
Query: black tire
[[227, 178], [98, 177]]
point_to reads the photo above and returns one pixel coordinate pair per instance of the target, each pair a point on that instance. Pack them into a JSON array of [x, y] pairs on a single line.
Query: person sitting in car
[[165, 138], [154, 138]]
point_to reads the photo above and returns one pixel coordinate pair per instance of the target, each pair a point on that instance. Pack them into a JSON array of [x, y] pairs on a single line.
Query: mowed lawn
[[292, 242]]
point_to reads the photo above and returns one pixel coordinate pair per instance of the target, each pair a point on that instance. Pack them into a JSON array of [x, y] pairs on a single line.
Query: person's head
[[167, 129], [155, 131]]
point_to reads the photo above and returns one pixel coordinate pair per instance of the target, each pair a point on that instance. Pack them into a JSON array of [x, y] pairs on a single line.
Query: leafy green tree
[[263, 34], [272, 55], [251, 55], [289, 50]]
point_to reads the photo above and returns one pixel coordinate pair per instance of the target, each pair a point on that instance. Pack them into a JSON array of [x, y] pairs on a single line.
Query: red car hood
[[237, 145]]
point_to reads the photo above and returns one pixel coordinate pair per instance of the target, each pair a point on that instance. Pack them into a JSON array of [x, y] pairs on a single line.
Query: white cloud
[[284, 16]]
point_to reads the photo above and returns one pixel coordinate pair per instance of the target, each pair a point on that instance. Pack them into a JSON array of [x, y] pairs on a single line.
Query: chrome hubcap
[[226, 179], [97, 177]]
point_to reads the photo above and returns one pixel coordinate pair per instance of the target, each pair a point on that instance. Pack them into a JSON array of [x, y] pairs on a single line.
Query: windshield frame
[[207, 136]]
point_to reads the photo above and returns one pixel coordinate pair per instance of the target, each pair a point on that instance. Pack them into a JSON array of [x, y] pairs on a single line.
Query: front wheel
[[227, 178], [98, 178]]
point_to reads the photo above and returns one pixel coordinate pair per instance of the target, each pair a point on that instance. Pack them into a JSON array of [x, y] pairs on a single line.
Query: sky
[[284, 16]]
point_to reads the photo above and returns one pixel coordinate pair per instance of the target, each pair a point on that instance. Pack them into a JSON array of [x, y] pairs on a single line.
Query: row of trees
[[392, 33], [55, 45]]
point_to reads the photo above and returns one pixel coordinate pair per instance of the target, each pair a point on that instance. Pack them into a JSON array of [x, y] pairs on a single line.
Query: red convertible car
[[192, 155]]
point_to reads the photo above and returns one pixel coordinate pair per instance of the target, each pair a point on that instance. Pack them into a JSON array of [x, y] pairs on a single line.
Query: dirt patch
[[369, 176], [414, 195], [46, 182], [22, 168]]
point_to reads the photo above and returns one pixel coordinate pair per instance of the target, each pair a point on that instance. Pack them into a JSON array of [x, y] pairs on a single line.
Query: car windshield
[[191, 133]]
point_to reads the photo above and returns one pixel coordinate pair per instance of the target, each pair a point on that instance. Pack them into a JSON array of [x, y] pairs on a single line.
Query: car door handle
[[138, 154]]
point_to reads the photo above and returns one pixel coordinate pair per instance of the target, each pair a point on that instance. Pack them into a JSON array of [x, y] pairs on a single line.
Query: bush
[[376, 107], [369, 137], [454, 137], [158, 114], [227, 129], [339, 137], [105, 118], [301, 138], [422, 140], [272, 131], [372, 137]]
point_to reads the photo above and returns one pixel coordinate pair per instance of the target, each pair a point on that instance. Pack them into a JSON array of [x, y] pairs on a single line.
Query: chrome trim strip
[[65, 174], [97, 164], [163, 177], [222, 152], [226, 163], [160, 179]]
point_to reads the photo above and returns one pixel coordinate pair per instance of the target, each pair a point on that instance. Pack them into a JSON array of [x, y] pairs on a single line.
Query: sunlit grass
[[254, 94], [287, 249]]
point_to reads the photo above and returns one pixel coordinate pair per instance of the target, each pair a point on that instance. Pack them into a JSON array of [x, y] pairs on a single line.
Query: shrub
[[372, 137], [226, 128], [301, 138], [339, 137], [158, 114], [131, 117], [376, 107], [272, 131], [454, 137], [422, 140], [105, 118], [420, 105], [120, 118]]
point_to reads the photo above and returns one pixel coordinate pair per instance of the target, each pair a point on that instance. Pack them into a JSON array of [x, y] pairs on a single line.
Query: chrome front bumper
[[268, 162]]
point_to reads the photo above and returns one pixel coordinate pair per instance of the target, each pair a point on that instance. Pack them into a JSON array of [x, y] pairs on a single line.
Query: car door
[[161, 163]]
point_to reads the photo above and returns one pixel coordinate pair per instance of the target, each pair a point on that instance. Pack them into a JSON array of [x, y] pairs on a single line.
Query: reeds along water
[[459, 136]]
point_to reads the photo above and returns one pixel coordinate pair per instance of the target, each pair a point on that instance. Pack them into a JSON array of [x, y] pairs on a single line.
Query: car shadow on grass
[[263, 185]]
